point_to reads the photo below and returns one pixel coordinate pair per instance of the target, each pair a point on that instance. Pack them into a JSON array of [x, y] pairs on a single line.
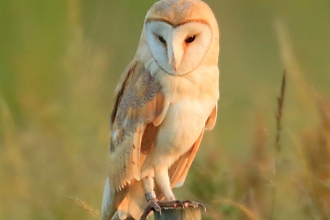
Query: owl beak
[[174, 65], [172, 61], [174, 55]]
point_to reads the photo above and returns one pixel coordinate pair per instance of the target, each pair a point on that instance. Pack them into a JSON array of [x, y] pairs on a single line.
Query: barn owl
[[165, 100]]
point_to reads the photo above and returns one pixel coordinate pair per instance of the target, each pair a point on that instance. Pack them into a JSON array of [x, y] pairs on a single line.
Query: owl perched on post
[[165, 100]]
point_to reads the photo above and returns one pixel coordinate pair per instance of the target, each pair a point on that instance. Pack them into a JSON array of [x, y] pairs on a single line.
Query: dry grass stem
[[279, 114], [280, 101], [93, 212]]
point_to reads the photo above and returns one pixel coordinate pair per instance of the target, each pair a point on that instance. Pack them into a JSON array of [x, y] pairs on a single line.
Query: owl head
[[181, 35]]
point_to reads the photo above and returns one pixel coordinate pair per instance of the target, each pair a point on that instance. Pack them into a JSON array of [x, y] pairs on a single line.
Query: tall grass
[[279, 113]]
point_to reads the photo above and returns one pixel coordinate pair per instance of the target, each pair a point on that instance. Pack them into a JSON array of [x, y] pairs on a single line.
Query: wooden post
[[179, 214]]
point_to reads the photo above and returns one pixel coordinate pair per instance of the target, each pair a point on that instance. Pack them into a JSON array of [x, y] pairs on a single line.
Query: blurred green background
[[59, 64]]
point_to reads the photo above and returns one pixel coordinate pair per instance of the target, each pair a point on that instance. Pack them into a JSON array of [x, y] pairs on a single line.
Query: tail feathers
[[112, 200], [107, 202]]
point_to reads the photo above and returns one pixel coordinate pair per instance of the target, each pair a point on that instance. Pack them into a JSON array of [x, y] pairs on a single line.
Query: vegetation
[[59, 63]]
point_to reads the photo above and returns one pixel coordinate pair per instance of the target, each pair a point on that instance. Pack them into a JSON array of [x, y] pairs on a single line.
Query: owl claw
[[190, 204], [152, 206], [159, 205], [200, 204]]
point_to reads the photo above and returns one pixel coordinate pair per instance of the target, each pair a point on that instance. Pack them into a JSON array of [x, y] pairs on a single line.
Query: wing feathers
[[190, 159], [180, 168], [149, 137], [180, 172], [210, 123], [139, 102], [160, 109]]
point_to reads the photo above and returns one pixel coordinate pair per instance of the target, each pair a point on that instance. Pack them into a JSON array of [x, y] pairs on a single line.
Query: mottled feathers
[[140, 105]]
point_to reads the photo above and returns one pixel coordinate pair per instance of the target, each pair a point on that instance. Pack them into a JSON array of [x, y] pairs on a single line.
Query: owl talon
[[200, 204], [152, 206], [178, 204], [190, 204], [159, 205]]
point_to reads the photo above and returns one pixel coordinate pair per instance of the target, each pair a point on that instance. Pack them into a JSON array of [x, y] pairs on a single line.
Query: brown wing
[[179, 170], [139, 102]]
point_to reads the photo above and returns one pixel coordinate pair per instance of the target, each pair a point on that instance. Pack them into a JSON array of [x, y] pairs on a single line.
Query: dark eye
[[190, 39], [161, 39]]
